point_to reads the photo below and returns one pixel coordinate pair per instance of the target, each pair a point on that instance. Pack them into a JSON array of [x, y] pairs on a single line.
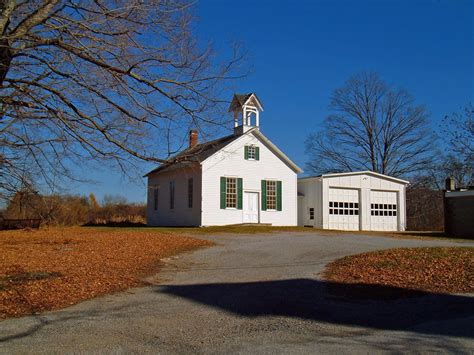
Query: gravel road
[[254, 294]]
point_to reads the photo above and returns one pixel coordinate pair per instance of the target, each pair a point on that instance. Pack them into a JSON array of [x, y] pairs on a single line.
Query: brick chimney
[[450, 184], [193, 138]]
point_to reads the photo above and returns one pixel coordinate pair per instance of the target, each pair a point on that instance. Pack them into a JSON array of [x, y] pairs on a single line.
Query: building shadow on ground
[[373, 306]]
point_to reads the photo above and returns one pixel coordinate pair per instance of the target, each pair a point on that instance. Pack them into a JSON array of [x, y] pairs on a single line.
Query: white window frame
[[252, 152], [274, 196], [231, 193]]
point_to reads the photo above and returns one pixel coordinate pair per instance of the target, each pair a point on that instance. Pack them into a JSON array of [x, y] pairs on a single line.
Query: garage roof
[[365, 172]]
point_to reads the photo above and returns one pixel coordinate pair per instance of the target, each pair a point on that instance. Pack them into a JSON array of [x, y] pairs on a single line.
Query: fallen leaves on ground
[[54, 268], [439, 269]]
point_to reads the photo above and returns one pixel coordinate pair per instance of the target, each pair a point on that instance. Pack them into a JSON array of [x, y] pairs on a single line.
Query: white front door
[[250, 207]]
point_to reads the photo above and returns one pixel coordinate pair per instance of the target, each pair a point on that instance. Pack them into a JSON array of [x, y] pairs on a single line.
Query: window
[[190, 192], [252, 152], [311, 213], [231, 193], [272, 198], [171, 195], [344, 208], [271, 195], [155, 198], [382, 209]]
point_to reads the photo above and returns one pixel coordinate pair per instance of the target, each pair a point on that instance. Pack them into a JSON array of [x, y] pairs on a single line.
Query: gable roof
[[276, 150], [200, 152], [241, 99], [367, 172], [195, 155]]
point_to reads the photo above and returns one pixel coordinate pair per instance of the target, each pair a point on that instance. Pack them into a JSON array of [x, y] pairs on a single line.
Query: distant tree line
[[69, 210]]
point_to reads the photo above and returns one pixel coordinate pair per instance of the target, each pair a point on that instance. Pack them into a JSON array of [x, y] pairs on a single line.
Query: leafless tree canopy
[[113, 80], [373, 127], [459, 130]]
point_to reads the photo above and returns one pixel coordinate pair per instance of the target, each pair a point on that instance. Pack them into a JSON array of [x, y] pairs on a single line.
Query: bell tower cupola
[[246, 109]]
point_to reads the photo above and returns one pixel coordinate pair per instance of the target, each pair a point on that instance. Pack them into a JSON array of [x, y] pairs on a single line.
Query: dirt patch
[[440, 269], [54, 268]]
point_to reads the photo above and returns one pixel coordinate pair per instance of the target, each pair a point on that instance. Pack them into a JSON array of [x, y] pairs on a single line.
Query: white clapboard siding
[[230, 162], [181, 215]]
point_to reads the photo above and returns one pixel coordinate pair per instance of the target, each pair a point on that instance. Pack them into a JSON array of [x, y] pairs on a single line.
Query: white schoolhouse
[[240, 178]]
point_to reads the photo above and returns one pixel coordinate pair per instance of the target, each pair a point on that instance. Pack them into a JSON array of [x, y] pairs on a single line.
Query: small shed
[[362, 200], [459, 213]]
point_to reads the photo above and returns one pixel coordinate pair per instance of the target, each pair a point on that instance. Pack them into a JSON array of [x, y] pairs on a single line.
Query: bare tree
[[373, 127], [459, 131], [111, 80]]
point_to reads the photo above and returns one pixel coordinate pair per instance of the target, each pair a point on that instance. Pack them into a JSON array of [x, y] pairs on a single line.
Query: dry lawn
[[440, 269], [54, 268]]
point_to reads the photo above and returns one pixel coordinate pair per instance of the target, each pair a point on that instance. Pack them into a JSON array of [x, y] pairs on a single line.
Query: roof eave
[[382, 176], [284, 157]]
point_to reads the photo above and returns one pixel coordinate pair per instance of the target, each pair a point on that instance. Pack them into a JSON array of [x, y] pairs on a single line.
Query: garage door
[[383, 211], [343, 209]]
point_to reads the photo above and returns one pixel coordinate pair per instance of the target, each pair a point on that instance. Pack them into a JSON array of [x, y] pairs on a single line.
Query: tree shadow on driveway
[[373, 306]]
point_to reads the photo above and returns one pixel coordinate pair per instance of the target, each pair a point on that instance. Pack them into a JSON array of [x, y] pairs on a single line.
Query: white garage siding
[[309, 207], [380, 198]]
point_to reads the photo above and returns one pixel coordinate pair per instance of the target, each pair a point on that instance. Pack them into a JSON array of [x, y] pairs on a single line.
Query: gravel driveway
[[258, 294]]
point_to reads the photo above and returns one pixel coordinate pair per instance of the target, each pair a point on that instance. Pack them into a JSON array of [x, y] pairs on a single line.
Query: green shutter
[[239, 193], [223, 192], [264, 195], [246, 152], [278, 195], [257, 153]]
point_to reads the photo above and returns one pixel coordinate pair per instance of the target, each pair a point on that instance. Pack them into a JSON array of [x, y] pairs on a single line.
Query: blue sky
[[300, 51]]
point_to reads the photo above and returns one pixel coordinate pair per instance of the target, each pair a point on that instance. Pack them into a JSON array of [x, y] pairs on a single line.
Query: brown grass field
[[53, 268], [438, 269]]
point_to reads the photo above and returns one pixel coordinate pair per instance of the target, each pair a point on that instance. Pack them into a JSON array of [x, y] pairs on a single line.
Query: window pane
[[271, 195], [171, 195], [155, 199], [190, 192], [231, 193], [251, 152]]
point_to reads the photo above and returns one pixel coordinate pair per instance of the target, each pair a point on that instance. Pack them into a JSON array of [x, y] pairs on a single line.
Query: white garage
[[361, 200]]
